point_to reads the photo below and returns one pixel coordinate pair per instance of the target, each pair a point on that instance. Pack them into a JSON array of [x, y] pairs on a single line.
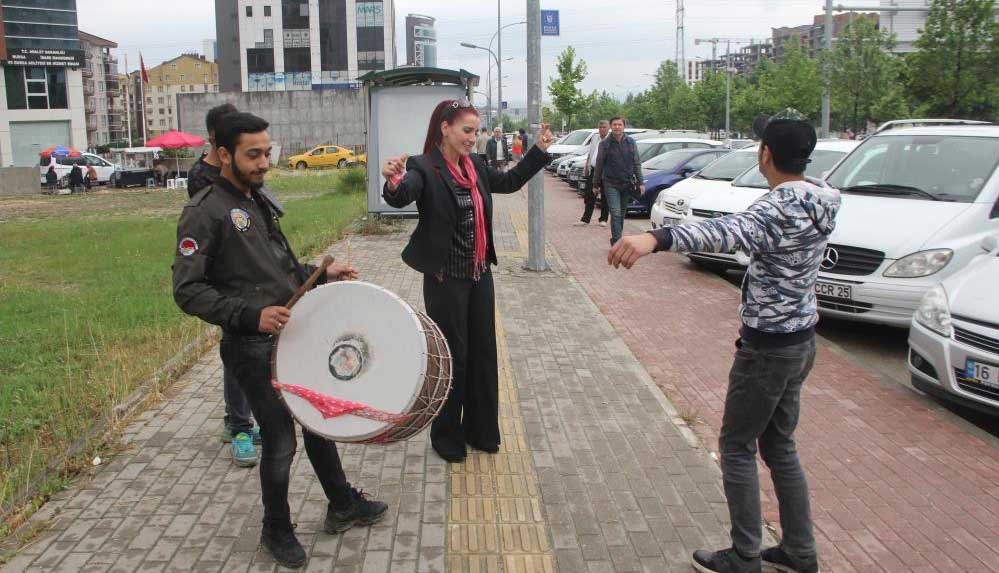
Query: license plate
[[844, 292], [984, 374], [669, 222]]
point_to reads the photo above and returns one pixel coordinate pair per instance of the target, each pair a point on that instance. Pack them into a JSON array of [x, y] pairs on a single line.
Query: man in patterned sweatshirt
[[785, 232]]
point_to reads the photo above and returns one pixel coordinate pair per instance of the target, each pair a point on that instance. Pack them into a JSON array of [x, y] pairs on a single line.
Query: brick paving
[[897, 485], [597, 471]]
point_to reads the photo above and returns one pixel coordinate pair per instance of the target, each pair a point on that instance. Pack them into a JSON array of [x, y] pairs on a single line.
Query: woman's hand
[[545, 138], [394, 169]]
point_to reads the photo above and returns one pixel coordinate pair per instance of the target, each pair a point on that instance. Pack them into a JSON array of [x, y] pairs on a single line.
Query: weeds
[[354, 180]]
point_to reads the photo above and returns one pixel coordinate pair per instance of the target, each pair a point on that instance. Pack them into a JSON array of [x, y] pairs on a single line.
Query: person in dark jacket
[[234, 268], [52, 179], [76, 179], [618, 168], [453, 247], [497, 150]]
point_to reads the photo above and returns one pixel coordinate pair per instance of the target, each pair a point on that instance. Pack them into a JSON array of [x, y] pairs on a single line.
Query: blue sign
[[549, 23], [506, 104]]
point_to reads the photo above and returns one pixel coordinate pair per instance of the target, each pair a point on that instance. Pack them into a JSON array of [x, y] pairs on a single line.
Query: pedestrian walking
[[453, 248], [618, 174], [497, 150], [786, 232], [590, 195], [238, 429], [480, 145], [52, 180], [234, 268], [76, 179]]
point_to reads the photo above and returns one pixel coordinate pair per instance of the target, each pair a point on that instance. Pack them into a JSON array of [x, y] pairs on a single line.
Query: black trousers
[[590, 201], [466, 314], [248, 358]]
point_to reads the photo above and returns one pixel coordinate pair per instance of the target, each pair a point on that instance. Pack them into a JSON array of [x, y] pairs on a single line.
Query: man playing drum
[[234, 268]]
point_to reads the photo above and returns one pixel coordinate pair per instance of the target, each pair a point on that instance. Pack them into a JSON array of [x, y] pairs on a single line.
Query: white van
[[63, 165], [917, 203]]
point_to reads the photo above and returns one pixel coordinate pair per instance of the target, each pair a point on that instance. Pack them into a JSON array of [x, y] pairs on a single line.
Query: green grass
[[87, 313]]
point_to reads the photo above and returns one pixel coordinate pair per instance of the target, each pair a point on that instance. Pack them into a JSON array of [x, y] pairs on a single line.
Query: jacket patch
[[240, 219], [187, 246]]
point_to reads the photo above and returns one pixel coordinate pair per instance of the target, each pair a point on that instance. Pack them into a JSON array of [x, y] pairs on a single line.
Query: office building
[[282, 45], [421, 41], [210, 49], [41, 87]]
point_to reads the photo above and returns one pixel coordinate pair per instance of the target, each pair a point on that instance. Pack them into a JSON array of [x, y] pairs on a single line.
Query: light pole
[[499, 51], [489, 79]]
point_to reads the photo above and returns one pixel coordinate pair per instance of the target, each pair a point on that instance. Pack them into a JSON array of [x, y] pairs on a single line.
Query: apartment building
[[188, 73], [103, 101]]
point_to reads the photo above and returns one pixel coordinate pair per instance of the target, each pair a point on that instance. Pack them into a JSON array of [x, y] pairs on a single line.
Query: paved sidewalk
[[596, 473], [897, 484]]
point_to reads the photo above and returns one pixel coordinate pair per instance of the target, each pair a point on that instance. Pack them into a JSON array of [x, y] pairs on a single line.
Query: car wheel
[[301, 165], [342, 164]]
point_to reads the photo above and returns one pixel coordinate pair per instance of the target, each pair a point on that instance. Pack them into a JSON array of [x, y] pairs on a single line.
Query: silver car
[[954, 337]]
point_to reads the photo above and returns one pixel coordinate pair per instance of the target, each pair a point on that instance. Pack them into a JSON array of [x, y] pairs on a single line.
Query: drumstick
[[320, 271], [348, 253]]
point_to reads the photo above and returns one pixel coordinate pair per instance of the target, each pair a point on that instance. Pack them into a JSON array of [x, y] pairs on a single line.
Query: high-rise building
[[102, 97], [189, 73], [281, 45], [421, 41], [41, 87]]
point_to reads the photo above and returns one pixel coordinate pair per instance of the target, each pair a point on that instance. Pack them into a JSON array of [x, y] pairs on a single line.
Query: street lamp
[[489, 72]]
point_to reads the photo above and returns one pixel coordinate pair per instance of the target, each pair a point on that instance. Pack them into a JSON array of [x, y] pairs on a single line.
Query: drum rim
[[422, 351]]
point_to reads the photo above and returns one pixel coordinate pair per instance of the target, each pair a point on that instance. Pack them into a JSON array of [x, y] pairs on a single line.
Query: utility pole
[[536, 188], [826, 88], [499, 65], [681, 55]]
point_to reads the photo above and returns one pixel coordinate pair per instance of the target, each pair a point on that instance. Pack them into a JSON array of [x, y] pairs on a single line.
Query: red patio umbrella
[[174, 139]]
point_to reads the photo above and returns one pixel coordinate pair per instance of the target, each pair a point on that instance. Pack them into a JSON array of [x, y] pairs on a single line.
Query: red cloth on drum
[[331, 407], [471, 182]]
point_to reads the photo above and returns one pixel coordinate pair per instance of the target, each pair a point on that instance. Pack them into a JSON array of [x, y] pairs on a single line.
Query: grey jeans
[[761, 412], [238, 416], [617, 200]]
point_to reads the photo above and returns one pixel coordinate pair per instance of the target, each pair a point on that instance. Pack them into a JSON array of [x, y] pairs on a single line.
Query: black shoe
[[454, 455], [282, 544], [725, 561], [361, 511], [781, 561], [488, 448]]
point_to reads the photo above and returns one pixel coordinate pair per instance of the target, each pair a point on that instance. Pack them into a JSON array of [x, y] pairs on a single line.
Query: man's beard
[[244, 179]]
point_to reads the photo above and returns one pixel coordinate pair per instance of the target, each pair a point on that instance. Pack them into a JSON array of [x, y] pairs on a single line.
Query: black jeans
[[465, 312], [248, 358], [761, 411], [590, 201]]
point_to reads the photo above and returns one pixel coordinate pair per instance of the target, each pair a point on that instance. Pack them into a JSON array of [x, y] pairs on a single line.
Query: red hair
[[448, 111]]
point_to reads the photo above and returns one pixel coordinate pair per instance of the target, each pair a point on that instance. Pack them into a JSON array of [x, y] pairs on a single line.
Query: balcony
[[88, 88], [92, 123], [112, 84]]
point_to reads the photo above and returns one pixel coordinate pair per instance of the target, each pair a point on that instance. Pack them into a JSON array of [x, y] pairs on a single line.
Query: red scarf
[[471, 182]]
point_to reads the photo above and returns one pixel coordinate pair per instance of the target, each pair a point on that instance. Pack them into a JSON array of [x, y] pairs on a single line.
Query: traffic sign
[[549, 23]]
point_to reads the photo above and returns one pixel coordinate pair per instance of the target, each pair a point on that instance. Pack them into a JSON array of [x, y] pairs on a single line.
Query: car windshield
[[577, 137], [728, 167], [935, 167], [670, 161], [647, 150], [822, 161]]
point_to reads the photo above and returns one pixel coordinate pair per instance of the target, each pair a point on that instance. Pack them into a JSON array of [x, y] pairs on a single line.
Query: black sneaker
[[360, 512], [725, 561], [282, 544], [781, 561]]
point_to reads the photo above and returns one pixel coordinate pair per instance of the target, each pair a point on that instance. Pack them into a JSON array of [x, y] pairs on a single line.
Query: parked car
[[322, 156], [954, 335], [361, 159], [901, 123], [672, 205], [663, 171], [581, 139], [749, 187], [648, 148], [917, 203], [63, 165]]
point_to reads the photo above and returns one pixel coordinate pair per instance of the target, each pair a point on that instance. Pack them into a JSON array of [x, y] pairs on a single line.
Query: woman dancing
[[453, 247]]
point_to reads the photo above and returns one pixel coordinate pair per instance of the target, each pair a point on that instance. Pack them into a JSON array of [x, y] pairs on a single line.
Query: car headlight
[[922, 264], [934, 312]]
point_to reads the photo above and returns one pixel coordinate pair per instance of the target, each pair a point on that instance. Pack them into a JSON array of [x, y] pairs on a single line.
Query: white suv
[[917, 203], [63, 165]]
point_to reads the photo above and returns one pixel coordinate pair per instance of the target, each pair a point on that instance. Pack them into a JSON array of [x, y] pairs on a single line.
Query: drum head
[[355, 341]]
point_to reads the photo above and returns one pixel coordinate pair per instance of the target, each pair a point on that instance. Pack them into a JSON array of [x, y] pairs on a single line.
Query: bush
[[354, 180]]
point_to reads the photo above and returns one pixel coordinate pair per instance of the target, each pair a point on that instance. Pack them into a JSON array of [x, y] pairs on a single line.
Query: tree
[[564, 88], [710, 93], [685, 110], [953, 70], [660, 95], [603, 106], [793, 82], [861, 71]]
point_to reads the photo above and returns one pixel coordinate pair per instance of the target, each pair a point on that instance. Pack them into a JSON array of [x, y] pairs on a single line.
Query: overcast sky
[[622, 41]]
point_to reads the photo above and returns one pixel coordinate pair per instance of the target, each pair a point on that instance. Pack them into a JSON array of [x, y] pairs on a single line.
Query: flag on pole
[[142, 64]]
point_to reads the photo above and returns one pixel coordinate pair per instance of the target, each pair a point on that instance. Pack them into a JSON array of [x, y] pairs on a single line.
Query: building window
[[160, 100], [36, 87], [167, 77], [249, 11], [159, 89], [268, 38], [183, 88], [260, 60], [190, 88], [267, 11], [297, 60], [181, 77], [333, 35], [173, 67], [294, 14], [197, 66], [162, 122], [162, 111]]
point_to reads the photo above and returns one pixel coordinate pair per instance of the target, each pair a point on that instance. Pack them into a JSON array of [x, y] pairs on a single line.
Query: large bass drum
[[355, 363]]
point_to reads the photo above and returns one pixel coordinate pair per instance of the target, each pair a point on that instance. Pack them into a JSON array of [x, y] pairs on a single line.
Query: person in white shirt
[[497, 150], [590, 197]]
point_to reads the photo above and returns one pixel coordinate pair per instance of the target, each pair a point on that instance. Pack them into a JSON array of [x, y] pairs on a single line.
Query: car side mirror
[[990, 244]]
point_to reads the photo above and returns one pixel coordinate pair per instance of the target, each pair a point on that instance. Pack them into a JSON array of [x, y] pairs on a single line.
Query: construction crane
[[681, 55], [728, 70]]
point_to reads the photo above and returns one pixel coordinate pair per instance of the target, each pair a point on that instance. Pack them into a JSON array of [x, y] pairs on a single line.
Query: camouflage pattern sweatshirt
[[785, 232]]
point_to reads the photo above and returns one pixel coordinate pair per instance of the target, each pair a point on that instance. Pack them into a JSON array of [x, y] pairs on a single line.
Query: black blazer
[[429, 183]]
